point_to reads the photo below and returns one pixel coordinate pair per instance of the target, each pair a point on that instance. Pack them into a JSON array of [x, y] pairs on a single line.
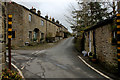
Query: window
[[30, 35], [42, 22], [13, 34], [42, 35], [114, 40], [114, 34], [30, 17]]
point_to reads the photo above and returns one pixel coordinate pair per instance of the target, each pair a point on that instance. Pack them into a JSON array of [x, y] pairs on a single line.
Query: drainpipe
[[94, 44], [46, 31]]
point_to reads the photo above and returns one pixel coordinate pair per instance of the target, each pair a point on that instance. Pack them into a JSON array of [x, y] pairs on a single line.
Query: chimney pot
[[46, 16], [57, 22], [53, 19], [38, 12], [33, 10]]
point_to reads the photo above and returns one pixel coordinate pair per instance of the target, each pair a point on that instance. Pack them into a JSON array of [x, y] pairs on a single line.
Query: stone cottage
[[29, 26], [101, 40]]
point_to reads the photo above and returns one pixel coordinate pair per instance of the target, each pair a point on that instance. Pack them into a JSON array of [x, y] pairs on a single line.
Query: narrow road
[[60, 61]]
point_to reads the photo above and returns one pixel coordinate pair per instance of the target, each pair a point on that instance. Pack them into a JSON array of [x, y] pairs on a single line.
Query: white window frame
[[42, 22], [30, 17]]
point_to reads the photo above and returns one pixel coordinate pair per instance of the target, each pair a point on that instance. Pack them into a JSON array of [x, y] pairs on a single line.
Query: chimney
[[57, 21], [33, 10], [38, 12], [50, 18], [46, 16], [53, 19]]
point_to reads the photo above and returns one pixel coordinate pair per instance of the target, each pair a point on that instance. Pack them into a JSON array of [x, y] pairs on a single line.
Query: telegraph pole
[[9, 37], [118, 6], [114, 12], [118, 36]]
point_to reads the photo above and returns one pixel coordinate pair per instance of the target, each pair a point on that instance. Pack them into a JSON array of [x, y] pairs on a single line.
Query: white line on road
[[95, 69], [22, 67], [20, 72]]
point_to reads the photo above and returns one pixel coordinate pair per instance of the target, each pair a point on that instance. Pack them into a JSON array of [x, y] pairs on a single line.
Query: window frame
[[42, 22], [13, 37], [30, 18]]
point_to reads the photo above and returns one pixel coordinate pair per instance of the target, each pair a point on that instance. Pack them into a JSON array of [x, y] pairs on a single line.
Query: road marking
[[23, 67], [95, 69], [38, 52], [20, 72], [28, 62]]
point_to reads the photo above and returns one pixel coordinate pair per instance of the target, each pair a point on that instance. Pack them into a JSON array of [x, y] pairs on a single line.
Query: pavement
[[59, 62]]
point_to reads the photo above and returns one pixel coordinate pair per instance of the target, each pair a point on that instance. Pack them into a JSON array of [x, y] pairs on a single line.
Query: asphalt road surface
[[59, 62]]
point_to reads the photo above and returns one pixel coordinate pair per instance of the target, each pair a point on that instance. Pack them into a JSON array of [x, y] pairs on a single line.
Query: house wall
[[105, 51], [1, 39], [31, 25], [88, 38], [22, 25], [51, 29], [18, 23]]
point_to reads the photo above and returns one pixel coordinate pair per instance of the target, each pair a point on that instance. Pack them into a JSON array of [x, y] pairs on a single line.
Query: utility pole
[[118, 7], [118, 36], [9, 37], [114, 12]]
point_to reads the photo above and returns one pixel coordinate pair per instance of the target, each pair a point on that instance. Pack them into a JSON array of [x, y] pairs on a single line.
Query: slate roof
[[101, 23]]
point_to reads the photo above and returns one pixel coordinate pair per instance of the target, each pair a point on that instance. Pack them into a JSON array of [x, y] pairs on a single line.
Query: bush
[[79, 43], [7, 74], [50, 39]]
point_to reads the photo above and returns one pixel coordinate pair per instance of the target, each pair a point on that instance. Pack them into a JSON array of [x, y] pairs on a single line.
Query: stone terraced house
[[101, 40], [29, 26]]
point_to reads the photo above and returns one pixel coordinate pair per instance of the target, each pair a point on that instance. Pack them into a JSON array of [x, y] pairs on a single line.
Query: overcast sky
[[54, 8]]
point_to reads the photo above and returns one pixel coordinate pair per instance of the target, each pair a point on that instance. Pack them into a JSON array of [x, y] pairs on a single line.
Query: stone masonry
[[106, 52], [29, 25], [1, 37]]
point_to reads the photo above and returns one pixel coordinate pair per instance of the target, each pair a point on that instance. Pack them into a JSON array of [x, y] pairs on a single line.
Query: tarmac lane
[[59, 62]]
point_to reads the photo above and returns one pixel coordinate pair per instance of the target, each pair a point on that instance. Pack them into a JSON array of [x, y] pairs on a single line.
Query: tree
[[88, 14]]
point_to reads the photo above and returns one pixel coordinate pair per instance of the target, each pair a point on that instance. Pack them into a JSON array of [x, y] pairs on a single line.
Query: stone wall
[[1, 38], [18, 23], [105, 51], [29, 25], [88, 38], [35, 23]]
